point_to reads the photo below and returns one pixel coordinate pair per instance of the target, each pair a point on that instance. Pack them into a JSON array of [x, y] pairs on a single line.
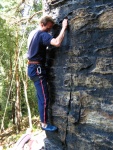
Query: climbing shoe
[[49, 128]]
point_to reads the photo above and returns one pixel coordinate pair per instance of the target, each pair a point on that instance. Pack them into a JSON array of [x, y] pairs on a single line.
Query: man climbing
[[38, 41]]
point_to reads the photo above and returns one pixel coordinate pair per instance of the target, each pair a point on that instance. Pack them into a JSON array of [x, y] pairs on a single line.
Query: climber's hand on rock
[[64, 23]]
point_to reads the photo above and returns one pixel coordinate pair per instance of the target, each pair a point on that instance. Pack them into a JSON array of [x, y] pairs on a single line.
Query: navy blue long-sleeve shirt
[[37, 46]]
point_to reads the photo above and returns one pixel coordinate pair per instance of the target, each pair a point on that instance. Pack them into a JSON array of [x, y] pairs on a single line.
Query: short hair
[[46, 19]]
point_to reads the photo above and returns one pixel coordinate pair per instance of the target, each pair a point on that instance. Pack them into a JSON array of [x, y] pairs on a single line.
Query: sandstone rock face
[[81, 75]]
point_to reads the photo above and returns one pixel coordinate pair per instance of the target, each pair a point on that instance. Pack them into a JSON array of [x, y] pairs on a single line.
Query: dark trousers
[[37, 73]]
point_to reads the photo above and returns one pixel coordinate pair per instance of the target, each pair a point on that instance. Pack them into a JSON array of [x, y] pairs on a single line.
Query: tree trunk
[[17, 103], [27, 103]]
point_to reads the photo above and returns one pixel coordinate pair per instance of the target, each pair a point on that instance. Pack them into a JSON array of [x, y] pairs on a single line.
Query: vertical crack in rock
[[77, 110], [69, 108]]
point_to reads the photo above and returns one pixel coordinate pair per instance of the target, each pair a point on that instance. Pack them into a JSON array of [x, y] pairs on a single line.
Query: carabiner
[[39, 70]]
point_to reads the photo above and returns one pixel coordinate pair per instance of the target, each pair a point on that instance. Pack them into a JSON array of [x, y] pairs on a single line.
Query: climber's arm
[[58, 40]]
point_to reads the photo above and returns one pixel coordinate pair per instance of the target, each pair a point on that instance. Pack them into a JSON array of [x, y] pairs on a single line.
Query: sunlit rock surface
[[81, 75]]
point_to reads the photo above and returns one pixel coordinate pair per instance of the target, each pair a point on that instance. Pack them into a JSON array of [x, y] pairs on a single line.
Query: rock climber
[[38, 41]]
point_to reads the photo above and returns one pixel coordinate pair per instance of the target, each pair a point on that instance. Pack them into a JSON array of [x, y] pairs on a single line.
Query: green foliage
[[7, 46], [37, 5], [13, 40], [7, 43]]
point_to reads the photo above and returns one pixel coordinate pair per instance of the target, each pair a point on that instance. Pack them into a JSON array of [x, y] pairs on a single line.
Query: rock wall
[[81, 75]]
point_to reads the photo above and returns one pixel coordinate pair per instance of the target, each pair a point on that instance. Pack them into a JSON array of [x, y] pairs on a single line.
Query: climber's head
[[46, 23]]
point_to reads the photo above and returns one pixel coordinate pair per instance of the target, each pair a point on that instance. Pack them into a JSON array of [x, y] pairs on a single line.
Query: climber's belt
[[33, 62]]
